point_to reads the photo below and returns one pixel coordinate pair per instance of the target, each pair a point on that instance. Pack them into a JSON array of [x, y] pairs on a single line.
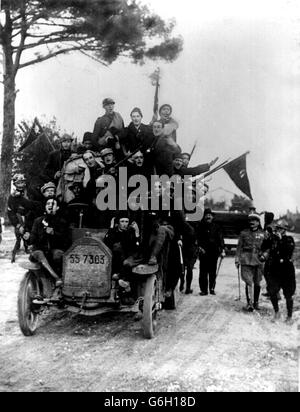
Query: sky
[[235, 88]]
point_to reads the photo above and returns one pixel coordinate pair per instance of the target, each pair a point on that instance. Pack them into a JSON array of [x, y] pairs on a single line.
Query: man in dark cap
[[49, 239], [277, 251], [19, 208], [181, 170], [123, 240], [136, 135], [87, 143], [57, 159], [109, 127], [248, 259], [211, 246]]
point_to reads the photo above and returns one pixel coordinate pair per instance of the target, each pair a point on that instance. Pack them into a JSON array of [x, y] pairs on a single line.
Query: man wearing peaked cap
[[248, 260], [109, 127], [48, 190], [107, 102], [254, 216]]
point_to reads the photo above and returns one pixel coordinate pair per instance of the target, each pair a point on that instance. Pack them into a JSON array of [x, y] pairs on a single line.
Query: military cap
[[18, 177], [107, 101], [254, 216], [186, 154], [105, 152], [49, 185], [165, 105], [282, 224], [65, 138]]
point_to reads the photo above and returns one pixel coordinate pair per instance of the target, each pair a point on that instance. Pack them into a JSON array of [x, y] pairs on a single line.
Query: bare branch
[[93, 58], [60, 39], [49, 56]]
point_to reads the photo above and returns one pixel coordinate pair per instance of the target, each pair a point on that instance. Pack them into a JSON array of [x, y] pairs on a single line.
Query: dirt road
[[207, 344]]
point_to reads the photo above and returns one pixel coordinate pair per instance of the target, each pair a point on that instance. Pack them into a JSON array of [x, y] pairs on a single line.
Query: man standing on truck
[[248, 260]]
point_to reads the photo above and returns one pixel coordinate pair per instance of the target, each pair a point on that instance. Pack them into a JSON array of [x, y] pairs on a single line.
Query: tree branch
[[49, 56], [45, 42], [23, 38], [93, 58]]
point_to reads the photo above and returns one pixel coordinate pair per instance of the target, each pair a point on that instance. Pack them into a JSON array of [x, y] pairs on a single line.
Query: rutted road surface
[[207, 344]]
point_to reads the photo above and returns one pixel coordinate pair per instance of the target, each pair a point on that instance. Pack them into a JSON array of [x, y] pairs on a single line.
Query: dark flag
[[237, 171], [31, 137]]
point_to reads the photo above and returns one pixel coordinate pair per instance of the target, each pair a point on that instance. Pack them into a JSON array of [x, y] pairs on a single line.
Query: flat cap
[[254, 216], [105, 152], [49, 185], [165, 105], [108, 100], [65, 138], [282, 224]]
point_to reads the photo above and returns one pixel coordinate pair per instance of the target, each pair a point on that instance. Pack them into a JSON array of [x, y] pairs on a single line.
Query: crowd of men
[[71, 180]]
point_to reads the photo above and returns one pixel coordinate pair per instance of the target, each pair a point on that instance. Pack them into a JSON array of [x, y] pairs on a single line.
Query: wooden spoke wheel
[[150, 307], [28, 312]]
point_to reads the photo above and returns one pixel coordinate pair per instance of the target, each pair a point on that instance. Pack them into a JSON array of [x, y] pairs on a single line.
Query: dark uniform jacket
[[163, 152], [134, 138], [210, 238], [40, 240], [278, 250], [172, 217], [126, 239], [22, 211], [55, 163]]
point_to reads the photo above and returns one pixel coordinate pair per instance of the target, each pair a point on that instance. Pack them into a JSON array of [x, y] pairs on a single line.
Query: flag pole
[[44, 133], [193, 149]]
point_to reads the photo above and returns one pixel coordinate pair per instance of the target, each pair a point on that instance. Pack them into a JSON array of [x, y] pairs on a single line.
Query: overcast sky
[[235, 87]]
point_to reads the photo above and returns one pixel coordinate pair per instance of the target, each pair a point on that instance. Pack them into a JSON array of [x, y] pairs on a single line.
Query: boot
[[256, 297], [289, 306], [44, 262], [181, 286], [249, 307]]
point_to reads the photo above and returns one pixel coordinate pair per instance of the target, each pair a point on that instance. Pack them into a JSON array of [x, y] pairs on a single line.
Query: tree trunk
[[7, 149]]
